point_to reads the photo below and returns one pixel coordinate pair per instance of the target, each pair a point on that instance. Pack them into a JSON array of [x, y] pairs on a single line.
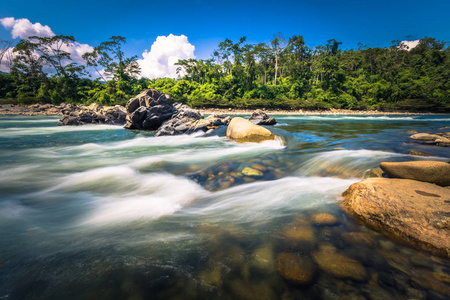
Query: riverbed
[[100, 212]]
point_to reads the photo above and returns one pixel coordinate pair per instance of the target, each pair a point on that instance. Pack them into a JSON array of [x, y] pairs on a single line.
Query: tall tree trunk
[[276, 69]]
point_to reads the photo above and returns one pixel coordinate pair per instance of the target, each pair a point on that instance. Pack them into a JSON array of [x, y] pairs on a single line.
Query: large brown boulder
[[243, 131], [437, 172], [417, 213]]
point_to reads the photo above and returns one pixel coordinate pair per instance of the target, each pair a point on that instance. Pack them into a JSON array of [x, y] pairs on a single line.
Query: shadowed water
[[99, 212]]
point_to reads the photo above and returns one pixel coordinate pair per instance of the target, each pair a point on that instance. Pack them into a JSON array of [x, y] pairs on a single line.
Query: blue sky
[[206, 23]]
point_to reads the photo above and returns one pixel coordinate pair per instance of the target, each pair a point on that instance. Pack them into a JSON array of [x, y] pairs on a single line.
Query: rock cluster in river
[[188, 120], [154, 110], [438, 139], [414, 211], [73, 114]]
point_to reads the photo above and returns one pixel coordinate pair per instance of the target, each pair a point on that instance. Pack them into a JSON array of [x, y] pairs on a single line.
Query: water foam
[[120, 194], [228, 150], [351, 163], [166, 141], [26, 131], [263, 201], [344, 163]]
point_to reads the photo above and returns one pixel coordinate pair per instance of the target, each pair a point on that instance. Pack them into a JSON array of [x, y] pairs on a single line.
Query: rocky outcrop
[[148, 110], [243, 131], [35, 109], [186, 120], [437, 172], [73, 114], [418, 213], [154, 110], [259, 117], [439, 139]]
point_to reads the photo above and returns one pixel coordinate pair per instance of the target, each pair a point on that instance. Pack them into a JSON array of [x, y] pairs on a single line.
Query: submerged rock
[[263, 258], [243, 131], [295, 268], [412, 211], [340, 265], [437, 172], [418, 153], [259, 117], [375, 172], [252, 172], [360, 238], [324, 219]]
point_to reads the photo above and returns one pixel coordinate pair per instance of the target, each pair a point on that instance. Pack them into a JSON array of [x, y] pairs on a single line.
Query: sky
[[160, 32]]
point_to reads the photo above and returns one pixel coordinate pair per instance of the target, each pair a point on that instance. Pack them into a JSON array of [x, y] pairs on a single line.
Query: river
[[100, 212]]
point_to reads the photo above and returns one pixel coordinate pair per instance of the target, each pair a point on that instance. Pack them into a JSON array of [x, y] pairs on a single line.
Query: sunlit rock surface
[[243, 131], [437, 172], [412, 211]]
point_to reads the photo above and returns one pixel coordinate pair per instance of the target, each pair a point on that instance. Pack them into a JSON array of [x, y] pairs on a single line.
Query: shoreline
[[300, 112], [49, 109]]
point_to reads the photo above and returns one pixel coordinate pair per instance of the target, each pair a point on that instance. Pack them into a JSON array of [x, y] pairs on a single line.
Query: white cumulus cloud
[[165, 52], [408, 45], [23, 28]]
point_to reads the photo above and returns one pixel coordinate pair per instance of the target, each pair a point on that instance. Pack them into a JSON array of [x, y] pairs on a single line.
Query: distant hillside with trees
[[284, 73]]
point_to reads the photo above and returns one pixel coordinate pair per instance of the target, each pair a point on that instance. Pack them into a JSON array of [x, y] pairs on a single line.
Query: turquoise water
[[99, 212]]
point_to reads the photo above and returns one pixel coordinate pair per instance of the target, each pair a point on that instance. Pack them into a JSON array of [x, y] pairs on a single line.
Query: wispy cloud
[[23, 28]]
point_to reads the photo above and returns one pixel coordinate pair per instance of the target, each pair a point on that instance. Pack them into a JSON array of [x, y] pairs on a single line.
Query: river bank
[[300, 112], [50, 109]]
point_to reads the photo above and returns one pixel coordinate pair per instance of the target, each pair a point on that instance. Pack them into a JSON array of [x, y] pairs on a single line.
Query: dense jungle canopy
[[284, 73]]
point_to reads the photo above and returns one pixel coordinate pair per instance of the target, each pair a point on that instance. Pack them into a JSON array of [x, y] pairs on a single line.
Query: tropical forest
[[284, 73]]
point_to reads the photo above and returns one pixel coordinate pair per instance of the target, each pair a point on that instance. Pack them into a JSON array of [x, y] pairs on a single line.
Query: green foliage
[[282, 74]]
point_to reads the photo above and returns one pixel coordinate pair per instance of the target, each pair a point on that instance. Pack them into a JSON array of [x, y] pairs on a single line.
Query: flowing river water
[[100, 212]]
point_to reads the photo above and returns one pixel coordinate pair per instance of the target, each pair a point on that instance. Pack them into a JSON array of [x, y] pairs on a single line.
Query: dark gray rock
[[259, 117], [69, 120], [186, 120], [148, 110]]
